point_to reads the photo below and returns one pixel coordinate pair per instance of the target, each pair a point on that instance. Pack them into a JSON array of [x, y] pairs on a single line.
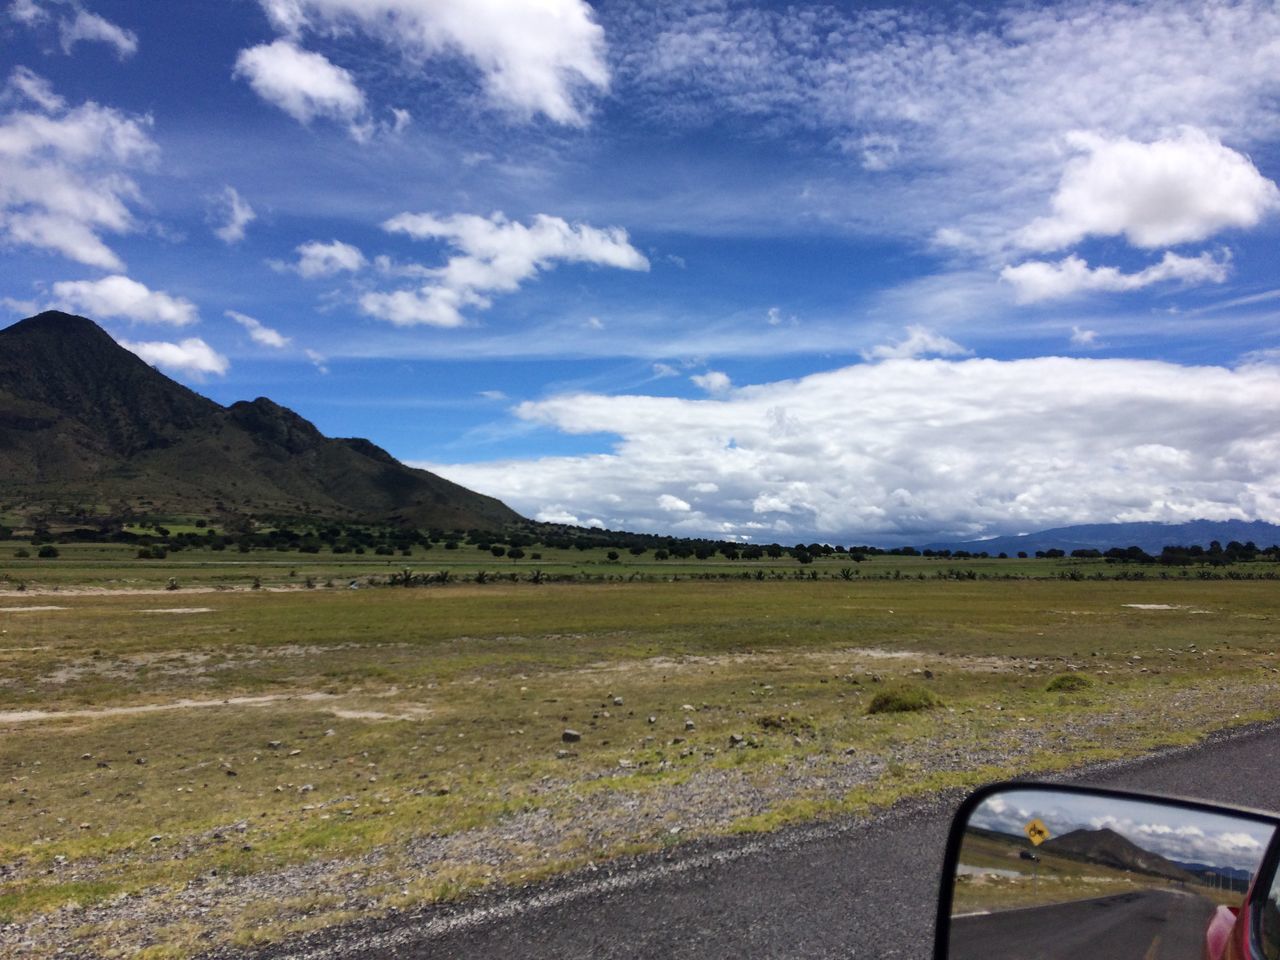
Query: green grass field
[[412, 738]]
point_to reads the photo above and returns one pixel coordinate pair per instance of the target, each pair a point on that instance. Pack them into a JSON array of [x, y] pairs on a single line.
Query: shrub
[[22, 553], [47, 552], [903, 700], [1068, 682]]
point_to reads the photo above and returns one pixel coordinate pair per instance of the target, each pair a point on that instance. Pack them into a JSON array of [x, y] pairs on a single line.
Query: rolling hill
[[88, 430]]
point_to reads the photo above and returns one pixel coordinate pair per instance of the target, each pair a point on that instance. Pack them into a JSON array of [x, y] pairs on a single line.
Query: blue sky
[[767, 272]]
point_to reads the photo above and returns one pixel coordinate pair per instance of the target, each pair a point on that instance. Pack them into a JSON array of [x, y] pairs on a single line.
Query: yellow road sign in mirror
[[1036, 831]]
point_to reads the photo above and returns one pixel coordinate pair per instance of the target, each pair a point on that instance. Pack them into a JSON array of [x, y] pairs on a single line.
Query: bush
[[47, 552], [903, 700], [1068, 682], [22, 553]]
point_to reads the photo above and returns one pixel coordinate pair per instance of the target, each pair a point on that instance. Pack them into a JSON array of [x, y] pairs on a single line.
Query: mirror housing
[[1057, 871]]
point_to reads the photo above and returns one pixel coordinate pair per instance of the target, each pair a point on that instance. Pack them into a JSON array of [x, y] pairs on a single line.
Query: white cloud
[[663, 370], [593, 323], [120, 297], [973, 108], [62, 173], [29, 84], [76, 26], [190, 356], [317, 359], [85, 26], [1081, 337], [1174, 190], [713, 381], [235, 213], [259, 332], [317, 259], [492, 394], [534, 56], [671, 504], [555, 514], [303, 84], [776, 318], [1037, 280], [919, 342], [28, 12], [495, 255], [916, 448]]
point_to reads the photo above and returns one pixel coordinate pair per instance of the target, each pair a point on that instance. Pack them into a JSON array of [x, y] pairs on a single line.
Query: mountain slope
[[1109, 848], [87, 428]]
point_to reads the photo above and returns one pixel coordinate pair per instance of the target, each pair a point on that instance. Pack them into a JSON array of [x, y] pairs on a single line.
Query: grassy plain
[[406, 744]]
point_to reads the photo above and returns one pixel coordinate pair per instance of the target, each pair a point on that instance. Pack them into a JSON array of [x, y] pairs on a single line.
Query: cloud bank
[[905, 448]]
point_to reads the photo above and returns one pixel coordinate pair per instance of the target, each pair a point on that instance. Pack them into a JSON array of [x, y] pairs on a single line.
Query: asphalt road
[[864, 889], [1153, 924]]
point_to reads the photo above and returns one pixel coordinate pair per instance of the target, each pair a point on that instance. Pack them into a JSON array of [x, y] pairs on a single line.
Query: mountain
[[88, 429], [1150, 536], [1108, 848]]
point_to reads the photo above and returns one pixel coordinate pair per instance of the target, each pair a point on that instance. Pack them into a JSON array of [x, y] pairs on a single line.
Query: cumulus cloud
[[907, 449], [919, 342], [1038, 280], [1174, 190], [494, 255], [74, 24], [713, 381], [303, 84], [673, 504], [533, 56], [119, 297], [259, 332], [190, 356], [317, 259], [234, 213], [62, 173]]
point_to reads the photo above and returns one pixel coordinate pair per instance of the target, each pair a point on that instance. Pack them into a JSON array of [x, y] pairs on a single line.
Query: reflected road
[[1145, 925]]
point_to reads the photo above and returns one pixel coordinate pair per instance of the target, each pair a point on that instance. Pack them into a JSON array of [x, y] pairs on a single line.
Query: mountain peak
[[83, 420]]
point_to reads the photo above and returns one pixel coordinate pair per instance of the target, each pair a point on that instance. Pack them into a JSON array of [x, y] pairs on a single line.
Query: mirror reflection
[[1048, 875]]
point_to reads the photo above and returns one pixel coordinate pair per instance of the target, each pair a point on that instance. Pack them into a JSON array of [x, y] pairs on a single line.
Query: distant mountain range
[[1151, 537], [1110, 849], [87, 430]]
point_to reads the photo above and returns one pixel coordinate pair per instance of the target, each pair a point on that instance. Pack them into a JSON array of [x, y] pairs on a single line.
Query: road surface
[[858, 890], [1151, 924]]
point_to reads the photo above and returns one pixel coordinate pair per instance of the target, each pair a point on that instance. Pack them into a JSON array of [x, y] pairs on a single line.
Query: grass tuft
[[904, 699], [1068, 682]]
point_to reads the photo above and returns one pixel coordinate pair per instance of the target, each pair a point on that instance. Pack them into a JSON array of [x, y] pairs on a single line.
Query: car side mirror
[[1053, 872]]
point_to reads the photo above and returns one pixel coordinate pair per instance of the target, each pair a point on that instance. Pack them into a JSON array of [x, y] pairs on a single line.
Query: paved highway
[[860, 890], [1152, 924]]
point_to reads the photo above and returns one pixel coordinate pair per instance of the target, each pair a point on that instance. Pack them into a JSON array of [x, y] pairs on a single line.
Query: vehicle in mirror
[[1049, 872]]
